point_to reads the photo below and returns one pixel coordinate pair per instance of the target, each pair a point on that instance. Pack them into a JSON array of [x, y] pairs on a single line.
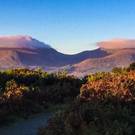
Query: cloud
[[21, 42], [117, 44]]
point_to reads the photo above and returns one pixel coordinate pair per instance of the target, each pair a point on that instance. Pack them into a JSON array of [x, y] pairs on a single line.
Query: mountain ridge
[[25, 51]]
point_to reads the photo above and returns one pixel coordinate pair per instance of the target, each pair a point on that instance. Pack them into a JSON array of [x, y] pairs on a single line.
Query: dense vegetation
[[105, 106], [24, 92]]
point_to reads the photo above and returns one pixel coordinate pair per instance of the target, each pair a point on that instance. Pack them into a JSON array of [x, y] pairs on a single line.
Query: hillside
[[116, 58], [25, 51]]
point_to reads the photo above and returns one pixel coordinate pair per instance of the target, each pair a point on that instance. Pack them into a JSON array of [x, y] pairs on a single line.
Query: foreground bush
[[105, 106], [120, 87], [92, 119], [24, 92]]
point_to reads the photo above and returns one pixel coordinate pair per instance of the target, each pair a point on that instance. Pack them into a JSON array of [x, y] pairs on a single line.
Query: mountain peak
[[21, 41], [117, 44], [16, 37]]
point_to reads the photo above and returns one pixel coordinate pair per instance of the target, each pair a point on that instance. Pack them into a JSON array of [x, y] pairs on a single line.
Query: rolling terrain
[[116, 58], [25, 51]]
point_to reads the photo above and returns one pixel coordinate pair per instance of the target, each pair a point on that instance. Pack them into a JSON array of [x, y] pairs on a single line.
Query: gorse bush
[[131, 66], [24, 92], [118, 70], [13, 90], [101, 104], [86, 118], [97, 76], [110, 86], [105, 106]]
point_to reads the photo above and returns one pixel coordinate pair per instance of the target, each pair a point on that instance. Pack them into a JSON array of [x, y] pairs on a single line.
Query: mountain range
[[25, 51]]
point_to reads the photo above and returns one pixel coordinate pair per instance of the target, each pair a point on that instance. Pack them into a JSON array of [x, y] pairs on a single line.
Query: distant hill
[[116, 58], [120, 53], [25, 51]]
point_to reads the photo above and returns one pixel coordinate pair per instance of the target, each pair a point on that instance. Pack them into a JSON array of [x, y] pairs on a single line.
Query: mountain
[[117, 44], [121, 53], [26, 51], [21, 42], [16, 51]]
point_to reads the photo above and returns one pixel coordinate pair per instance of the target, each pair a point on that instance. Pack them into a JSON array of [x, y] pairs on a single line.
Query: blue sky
[[68, 25]]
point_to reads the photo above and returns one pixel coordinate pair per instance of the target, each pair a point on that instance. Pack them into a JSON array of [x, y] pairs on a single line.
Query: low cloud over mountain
[[117, 44], [27, 51], [21, 42], [16, 51]]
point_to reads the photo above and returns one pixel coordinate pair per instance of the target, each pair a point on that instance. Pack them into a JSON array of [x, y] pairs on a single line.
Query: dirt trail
[[26, 127]]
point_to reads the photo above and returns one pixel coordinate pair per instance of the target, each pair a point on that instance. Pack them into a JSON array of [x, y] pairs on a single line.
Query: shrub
[[24, 92], [118, 70], [92, 118], [105, 106], [111, 85], [131, 66]]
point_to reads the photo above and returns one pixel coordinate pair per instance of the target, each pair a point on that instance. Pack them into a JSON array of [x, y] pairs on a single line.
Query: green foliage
[[131, 66], [62, 73], [96, 118], [105, 106], [101, 104], [12, 90], [110, 86], [118, 70], [97, 76], [24, 92]]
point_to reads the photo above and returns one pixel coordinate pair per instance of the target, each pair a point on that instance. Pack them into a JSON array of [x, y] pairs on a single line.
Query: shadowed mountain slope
[[26, 51], [16, 51]]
